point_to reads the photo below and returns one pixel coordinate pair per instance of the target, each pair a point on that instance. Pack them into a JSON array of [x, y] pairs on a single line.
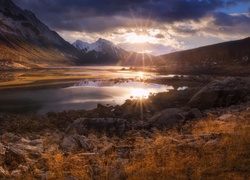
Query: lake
[[60, 89]]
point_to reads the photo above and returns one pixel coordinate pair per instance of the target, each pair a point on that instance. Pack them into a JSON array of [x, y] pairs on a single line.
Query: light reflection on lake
[[79, 96], [109, 85]]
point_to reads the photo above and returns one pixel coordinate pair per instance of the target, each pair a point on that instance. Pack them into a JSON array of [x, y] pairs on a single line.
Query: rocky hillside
[[26, 42], [225, 58]]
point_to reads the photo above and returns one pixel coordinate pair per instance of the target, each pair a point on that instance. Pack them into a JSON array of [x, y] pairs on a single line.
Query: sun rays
[[136, 38]]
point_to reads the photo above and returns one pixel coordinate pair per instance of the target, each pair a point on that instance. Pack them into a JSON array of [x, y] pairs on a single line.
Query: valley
[[77, 101]]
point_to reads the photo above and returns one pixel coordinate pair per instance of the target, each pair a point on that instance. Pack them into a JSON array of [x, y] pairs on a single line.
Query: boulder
[[83, 126], [68, 143], [195, 113], [222, 93], [171, 117], [167, 118], [14, 157], [74, 142]]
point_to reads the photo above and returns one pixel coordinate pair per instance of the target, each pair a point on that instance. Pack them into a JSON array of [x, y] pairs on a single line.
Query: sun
[[139, 93], [139, 38]]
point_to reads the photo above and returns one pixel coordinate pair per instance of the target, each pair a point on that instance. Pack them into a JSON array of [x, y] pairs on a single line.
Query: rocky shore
[[169, 135]]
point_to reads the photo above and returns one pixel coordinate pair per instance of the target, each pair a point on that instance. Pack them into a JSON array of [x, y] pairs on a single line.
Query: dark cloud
[[185, 30], [223, 19], [98, 15], [159, 36]]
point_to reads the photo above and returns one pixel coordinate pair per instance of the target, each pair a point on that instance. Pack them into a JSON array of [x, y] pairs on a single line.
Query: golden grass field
[[210, 148]]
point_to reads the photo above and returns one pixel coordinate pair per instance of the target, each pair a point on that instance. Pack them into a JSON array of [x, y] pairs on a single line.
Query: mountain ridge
[[226, 57], [26, 42], [106, 52]]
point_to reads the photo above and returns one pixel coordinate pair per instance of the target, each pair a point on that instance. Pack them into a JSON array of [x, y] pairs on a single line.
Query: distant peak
[[79, 42], [104, 41], [101, 39]]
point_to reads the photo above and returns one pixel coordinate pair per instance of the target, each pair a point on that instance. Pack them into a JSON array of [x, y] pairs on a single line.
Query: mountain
[[101, 52], [105, 52], [231, 57], [25, 42], [80, 45]]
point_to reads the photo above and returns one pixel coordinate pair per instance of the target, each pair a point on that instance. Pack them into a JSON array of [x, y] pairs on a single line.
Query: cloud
[[78, 15], [154, 49], [159, 36], [223, 19], [172, 24]]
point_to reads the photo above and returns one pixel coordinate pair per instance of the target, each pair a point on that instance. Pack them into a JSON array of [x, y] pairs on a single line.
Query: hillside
[[230, 57], [25, 42]]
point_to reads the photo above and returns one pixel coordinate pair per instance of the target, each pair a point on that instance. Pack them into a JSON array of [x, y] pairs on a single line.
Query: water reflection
[[126, 89], [82, 95], [96, 87]]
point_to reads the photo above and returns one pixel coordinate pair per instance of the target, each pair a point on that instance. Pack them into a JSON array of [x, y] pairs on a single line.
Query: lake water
[[89, 86]]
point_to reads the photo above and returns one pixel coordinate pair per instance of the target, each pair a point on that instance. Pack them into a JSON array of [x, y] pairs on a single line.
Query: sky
[[153, 26]]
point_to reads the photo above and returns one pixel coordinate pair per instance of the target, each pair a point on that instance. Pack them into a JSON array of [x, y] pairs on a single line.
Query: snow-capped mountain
[[100, 46], [26, 42], [101, 51], [82, 46]]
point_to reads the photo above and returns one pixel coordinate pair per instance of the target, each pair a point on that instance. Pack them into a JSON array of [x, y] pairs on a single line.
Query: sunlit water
[[84, 94]]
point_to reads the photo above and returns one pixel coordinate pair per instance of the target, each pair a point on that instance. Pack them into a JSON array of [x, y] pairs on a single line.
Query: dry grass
[[214, 149]]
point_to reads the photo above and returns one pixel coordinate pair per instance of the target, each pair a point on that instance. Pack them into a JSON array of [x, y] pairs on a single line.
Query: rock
[[100, 111], [39, 174], [70, 178], [77, 128], [45, 176], [14, 157], [23, 168], [223, 93], [68, 143], [4, 173], [103, 150], [2, 153], [109, 125], [226, 117], [83, 141], [213, 142], [34, 151], [2, 149], [31, 147], [195, 113], [167, 118], [32, 142], [73, 142], [9, 137], [16, 174]]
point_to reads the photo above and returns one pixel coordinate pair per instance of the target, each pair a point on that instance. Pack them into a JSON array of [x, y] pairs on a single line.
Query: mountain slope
[[82, 46], [105, 52], [101, 52], [231, 57], [25, 42]]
